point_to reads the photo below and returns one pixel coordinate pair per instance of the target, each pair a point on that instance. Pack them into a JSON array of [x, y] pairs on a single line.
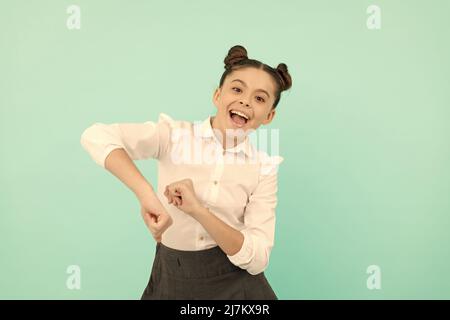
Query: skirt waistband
[[183, 264]]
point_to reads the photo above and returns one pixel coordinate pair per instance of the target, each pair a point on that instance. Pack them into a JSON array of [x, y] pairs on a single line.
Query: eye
[[260, 99], [239, 90]]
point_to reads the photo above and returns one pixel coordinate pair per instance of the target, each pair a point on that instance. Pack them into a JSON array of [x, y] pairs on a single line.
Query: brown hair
[[237, 58]]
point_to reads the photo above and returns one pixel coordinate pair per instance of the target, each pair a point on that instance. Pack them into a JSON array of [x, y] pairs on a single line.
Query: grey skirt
[[204, 275]]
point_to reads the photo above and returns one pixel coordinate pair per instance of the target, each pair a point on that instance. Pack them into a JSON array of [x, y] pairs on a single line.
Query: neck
[[226, 143]]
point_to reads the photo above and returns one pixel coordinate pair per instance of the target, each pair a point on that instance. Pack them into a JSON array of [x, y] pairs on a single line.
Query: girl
[[213, 213]]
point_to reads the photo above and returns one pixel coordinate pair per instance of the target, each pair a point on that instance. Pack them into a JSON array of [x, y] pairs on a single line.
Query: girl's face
[[248, 91]]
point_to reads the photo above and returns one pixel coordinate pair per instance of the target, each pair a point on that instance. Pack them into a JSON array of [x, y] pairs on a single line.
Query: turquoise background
[[364, 132]]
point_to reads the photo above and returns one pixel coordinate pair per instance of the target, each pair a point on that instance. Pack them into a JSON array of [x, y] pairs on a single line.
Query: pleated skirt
[[202, 275]]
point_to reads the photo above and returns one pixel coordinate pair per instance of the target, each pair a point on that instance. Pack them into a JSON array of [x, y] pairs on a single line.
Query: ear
[[269, 117], [216, 97]]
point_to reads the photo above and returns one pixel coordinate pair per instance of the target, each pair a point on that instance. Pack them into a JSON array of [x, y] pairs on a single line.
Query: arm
[[229, 239], [120, 165], [182, 195], [259, 231], [114, 146], [153, 212], [248, 248]]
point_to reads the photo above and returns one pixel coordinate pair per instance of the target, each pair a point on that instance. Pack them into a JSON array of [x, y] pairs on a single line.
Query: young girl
[[213, 213]]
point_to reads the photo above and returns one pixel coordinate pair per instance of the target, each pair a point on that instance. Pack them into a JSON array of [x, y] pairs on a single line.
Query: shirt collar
[[205, 130]]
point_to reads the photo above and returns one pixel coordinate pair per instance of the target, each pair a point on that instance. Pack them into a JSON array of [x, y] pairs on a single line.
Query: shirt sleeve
[[259, 220], [139, 140]]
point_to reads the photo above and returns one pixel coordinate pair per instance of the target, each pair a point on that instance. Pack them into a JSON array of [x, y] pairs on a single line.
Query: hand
[[155, 216], [182, 195]]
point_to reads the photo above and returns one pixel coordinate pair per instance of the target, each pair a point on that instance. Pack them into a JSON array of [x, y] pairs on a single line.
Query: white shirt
[[238, 185]]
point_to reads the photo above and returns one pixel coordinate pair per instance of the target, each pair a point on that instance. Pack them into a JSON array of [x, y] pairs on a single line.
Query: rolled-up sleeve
[[140, 140], [259, 220]]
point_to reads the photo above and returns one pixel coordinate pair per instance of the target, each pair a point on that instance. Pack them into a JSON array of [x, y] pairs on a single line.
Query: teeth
[[240, 114]]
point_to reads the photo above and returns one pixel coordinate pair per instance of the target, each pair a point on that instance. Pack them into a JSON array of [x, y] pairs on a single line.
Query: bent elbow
[[257, 268], [87, 134]]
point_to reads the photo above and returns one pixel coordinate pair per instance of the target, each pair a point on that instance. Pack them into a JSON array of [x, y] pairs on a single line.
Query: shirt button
[[201, 238], [215, 181]]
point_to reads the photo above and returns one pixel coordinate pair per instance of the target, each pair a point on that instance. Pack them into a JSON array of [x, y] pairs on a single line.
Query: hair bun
[[235, 55], [284, 75]]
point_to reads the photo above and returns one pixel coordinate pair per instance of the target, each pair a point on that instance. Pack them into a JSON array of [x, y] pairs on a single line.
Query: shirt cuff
[[245, 255], [101, 161]]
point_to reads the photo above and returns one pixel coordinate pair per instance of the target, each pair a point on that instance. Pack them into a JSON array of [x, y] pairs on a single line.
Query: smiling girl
[[213, 221]]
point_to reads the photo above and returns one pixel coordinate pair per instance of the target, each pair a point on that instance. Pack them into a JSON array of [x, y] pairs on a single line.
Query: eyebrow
[[243, 83]]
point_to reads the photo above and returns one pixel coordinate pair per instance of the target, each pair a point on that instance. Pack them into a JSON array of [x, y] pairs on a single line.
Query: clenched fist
[[182, 195], [155, 216]]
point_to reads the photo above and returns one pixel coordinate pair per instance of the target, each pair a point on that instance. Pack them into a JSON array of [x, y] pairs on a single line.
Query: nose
[[244, 104]]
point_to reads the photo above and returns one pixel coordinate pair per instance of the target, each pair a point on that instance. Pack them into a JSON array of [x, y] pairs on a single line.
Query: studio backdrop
[[363, 196]]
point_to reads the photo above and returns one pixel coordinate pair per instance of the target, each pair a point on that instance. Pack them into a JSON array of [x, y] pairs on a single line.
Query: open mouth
[[238, 118]]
